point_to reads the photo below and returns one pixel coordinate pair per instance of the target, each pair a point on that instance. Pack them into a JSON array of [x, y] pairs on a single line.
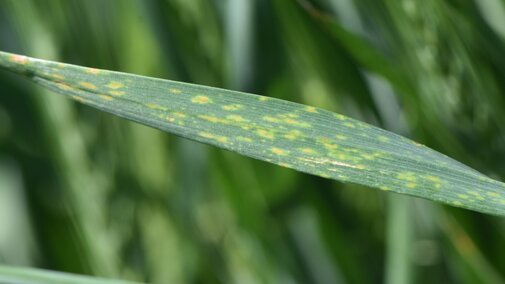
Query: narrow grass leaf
[[9, 274], [292, 135]]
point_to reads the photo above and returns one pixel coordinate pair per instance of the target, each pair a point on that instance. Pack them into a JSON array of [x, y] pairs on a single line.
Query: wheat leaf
[[292, 135]]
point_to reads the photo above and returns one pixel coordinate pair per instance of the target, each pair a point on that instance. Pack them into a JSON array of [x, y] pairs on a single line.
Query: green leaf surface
[[292, 135], [19, 275]]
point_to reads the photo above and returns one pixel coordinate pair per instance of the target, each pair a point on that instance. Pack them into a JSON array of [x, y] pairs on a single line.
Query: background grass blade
[[38, 276], [304, 138]]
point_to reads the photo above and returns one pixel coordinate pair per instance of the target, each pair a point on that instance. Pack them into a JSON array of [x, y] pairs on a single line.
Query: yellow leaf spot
[[155, 106], [115, 85], [457, 203], [417, 144], [80, 99], [263, 99], [383, 138], [232, 107], [92, 71], [411, 185], [368, 156], [175, 91], [493, 194], [286, 165], [407, 176], [434, 179], [350, 125], [58, 76], [179, 114], [477, 195], [311, 109], [19, 59], [64, 87], [343, 177], [87, 85], [292, 135], [463, 196], [385, 188], [117, 93], [105, 97], [341, 137], [278, 151], [201, 100], [308, 151], [330, 146], [296, 123], [340, 117], [271, 119], [221, 139], [210, 118], [265, 133], [244, 139], [236, 118]]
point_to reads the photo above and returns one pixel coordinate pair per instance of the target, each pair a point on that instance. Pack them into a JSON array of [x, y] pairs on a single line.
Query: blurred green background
[[84, 192]]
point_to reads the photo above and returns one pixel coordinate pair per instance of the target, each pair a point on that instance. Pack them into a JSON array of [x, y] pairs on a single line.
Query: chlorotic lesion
[[57, 76], [340, 116], [156, 107], [64, 87], [244, 139], [105, 97], [19, 59], [201, 100], [311, 109], [293, 135], [477, 195], [457, 203], [383, 138], [409, 178], [232, 107], [92, 71], [493, 194], [286, 119], [80, 99], [435, 181], [117, 93], [349, 124], [279, 151], [327, 143], [385, 188], [308, 151], [463, 196], [236, 118], [115, 85], [213, 119], [175, 91], [271, 119], [88, 85], [218, 138], [265, 133]]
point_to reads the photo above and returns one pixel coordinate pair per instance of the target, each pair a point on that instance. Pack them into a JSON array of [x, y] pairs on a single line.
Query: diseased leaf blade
[[292, 135]]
